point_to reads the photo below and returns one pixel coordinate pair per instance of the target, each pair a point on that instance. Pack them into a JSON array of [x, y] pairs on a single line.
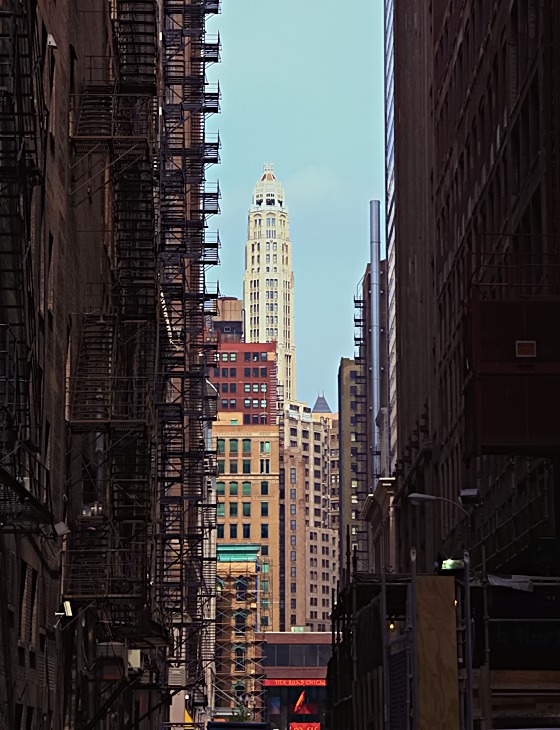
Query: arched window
[[239, 691]]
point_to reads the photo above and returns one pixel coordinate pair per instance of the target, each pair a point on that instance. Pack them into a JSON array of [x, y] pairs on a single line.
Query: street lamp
[[417, 499]]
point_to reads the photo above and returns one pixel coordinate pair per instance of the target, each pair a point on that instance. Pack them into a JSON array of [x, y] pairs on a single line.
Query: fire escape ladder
[[24, 482], [185, 575]]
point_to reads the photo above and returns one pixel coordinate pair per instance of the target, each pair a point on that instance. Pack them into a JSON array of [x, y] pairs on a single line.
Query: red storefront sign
[[305, 726], [296, 683]]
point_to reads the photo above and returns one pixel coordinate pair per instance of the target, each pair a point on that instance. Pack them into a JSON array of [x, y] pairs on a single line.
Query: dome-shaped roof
[[268, 193]]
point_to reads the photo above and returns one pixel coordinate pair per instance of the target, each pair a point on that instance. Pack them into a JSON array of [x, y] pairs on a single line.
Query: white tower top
[[268, 193], [268, 282]]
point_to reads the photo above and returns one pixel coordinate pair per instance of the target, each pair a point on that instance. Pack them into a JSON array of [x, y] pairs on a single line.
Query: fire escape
[[110, 560], [359, 448], [24, 481], [185, 403]]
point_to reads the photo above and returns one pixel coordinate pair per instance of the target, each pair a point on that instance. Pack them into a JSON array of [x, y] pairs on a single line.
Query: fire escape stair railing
[[181, 456], [24, 491]]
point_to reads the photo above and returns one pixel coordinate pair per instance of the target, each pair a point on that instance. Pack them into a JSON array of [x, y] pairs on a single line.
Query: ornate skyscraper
[[268, 282]]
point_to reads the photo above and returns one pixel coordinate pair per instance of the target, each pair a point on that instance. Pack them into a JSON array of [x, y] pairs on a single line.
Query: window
[[246, 446], [240, 618], [265, 447], [292, 493], [247, 402], [293, 603], [292, 509], [293, 587], [263, 387], [220, 532], [220, 509], [247, 372], [220, 488], [265, 466], [293, 556], [264, 549], [233, 372], [239, 659], [255, 387], [241, 586], [233, 466], [233, 532], [292, 524], [247, 356], [232, 403], [239, 691], [247, 387], [233, 509], [246, 531], [221, 466], [292, 540], [246, 489], [233, 486], [264, 509], [292, 572], [246, 466], [292, 475], [263, 372], [246, 509], [225, 372], [264, 531], [224, 387], [224, 403], [221, 446], [264, 488], [233, 446]]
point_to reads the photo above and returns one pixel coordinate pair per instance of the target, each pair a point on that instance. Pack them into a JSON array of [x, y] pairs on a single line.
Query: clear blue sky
[[302, 87]]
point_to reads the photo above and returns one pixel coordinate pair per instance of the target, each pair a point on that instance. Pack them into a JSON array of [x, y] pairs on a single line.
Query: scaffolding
[[241, 605], [24, 480]]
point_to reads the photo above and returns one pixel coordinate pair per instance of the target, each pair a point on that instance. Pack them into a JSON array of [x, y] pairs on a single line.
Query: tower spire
[[268, 281]]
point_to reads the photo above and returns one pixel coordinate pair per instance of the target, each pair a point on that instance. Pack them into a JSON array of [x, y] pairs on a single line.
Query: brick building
[[245, 378], [104, 404], [478, 86]]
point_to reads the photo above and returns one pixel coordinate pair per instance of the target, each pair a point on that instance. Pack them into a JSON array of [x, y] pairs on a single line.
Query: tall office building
[[268, 282], [476, 170], [311, 538], [390, 202]]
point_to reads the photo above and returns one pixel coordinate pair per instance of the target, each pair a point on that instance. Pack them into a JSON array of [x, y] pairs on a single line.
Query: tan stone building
[[311, 541], [243, 599], [248, 497]]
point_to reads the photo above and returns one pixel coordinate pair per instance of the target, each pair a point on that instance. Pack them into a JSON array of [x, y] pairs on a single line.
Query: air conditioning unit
[[112, 650], [135, 659], [176, 677]]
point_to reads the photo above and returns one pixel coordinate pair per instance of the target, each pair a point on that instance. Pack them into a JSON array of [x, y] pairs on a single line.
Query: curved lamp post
[[417, 499]]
